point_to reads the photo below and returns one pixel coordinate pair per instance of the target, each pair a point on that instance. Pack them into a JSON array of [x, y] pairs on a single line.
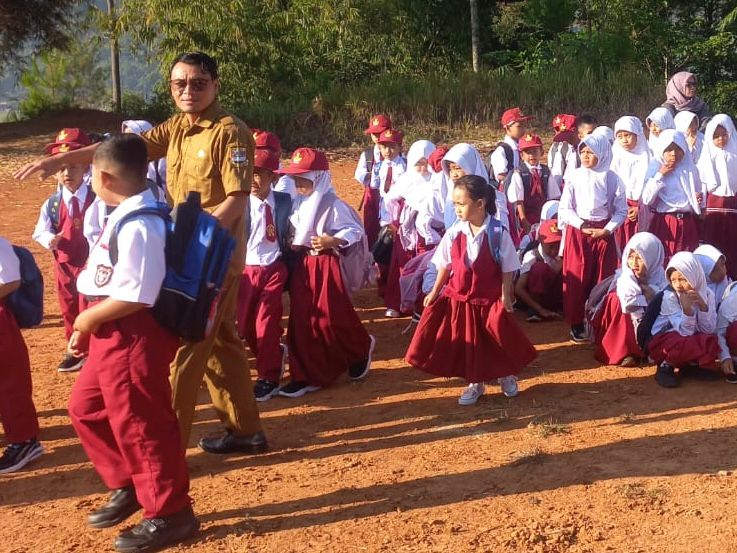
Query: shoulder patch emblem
[[238, 156], [103, 274]]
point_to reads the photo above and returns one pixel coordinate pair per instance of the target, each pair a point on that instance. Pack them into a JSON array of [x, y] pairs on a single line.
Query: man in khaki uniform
[[211, 152]]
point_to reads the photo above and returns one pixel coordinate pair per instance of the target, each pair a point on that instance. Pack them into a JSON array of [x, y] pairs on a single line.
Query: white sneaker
[[393, 313], [509, 385], [472, 393]]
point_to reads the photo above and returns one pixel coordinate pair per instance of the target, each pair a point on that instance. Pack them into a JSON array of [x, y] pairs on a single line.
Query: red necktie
[[270, 228], [388, 180], [536, 189]]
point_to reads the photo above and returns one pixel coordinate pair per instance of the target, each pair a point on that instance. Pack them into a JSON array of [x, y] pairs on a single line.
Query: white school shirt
[[701, 321], [399, 166], [340, 223], [560, 165], [141, 266], [285, 184], [581, 201], [726, 315], [9, 263], [442, 254], [362, 169], [667, 195], [44, 232], [259, 250], [516, 192], [498, 158], [529, 259], [94, 221]]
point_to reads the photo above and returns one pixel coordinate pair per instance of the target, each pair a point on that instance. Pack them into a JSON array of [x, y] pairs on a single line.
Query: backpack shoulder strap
[[162, 210], [494, 236], [509, 153], [282, 210], [368, 155], [53, 207]]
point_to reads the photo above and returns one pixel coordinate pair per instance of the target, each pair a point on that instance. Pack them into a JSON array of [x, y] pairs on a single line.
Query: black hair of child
[[127, 151], [478, 189]]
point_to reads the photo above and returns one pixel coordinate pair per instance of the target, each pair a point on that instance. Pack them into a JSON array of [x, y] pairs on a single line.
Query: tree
[[34, 24]]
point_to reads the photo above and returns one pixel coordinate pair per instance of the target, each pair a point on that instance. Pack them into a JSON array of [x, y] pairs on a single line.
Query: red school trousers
[[259, 315], [17, 411], [121, 409]]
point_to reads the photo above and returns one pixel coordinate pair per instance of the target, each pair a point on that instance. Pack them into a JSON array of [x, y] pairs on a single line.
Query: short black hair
[[205, 62], [127, 152], [586, 119]]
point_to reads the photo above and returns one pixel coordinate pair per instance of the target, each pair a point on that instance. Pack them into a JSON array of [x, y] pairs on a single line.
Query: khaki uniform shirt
[[213, 156]]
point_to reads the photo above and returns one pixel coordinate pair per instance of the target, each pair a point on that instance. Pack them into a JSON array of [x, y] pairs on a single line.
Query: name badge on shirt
[[103, 274]]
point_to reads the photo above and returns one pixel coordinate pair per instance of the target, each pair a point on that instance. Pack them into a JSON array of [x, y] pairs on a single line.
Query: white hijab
[[650, 249], [685, 173], [631, 166], [549, 210], [663, 119], [137, 126], [601, 147], [304, 210], [708, 255], [606, 132], [412, 186], [683, 121], [468, 158], [719, 166], [686, 263]]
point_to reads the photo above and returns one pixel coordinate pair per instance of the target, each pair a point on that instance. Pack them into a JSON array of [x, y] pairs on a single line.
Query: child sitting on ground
[[540, 283]]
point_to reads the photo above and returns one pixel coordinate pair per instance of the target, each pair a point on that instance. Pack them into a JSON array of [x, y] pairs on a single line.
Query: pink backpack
[[356, 262]]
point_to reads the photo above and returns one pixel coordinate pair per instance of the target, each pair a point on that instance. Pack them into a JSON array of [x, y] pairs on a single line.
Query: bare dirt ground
[[587, 458]]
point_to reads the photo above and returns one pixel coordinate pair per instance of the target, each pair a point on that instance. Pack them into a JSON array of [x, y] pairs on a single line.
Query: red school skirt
[[720, 228], [677, 231], [614, 332]]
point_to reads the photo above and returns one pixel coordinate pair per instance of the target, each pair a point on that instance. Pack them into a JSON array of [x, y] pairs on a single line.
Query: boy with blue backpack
[[17, 411], [265, 274], [120, 405], [60, 229]]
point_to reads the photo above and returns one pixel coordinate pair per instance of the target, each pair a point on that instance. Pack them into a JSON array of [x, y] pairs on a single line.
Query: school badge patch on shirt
[[238, 156], [103, 274]]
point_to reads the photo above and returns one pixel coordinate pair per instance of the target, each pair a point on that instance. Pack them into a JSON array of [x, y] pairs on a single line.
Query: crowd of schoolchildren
[[628, 237]]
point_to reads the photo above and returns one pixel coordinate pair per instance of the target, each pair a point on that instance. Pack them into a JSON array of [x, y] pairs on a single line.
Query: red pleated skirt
[[682, 350], [677, 234], [468, 340], [325, 335], [614, 333], [720, 228]]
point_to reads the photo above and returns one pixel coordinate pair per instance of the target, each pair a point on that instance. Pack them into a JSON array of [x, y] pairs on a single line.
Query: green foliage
[[58, 80], [156, 109]]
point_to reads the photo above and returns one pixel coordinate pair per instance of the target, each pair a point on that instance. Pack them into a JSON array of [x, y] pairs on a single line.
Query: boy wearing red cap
[[562, 152], [325, 336], [531, 185], [505, 157], [367, 174], [269, 141], [60, 228], [393, 165], [17, 412], [540, 283], [265, 273]]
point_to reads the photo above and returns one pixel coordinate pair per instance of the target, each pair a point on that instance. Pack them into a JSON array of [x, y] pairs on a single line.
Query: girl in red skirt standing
[[684, 334], [324, 335], [673, 192], [718, 172], [630, 161], [467, 329], [641, 277], [591, 208]]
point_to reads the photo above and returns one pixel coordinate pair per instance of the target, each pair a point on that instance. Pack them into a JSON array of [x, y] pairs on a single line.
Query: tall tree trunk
[[475, 35], [114, 57]]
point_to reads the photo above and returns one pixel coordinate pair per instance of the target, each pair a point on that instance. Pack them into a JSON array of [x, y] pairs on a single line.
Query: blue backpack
[[27, 302], [198, 253]]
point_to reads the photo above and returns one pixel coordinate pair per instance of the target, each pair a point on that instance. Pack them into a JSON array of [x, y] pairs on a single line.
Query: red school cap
[[391, 136], [266, 159], [436, 158], [564, 122], [514, 115], [378, 124], [305, 160], [530, 141], [266, 139], [68, 140], [549, 232]]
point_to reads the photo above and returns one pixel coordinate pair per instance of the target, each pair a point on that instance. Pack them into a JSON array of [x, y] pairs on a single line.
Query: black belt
[[679, 214], [96, 298]]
